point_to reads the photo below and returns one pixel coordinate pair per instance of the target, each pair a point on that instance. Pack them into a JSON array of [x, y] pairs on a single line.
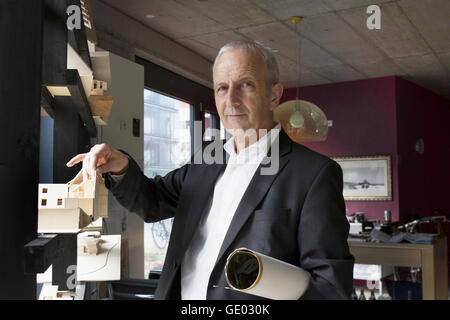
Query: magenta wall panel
[[385, 116]]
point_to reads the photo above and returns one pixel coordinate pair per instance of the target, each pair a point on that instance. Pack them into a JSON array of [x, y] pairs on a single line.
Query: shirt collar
[[260, 147]]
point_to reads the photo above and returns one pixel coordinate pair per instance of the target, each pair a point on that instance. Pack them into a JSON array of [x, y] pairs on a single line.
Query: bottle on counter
[[387, 226], [354, 295], [372, 295], [387, 216], [361, 295]]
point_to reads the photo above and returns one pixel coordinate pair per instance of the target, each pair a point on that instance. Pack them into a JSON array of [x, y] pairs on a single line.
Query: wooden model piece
[[92, 195], [101, 105], [99, 102], [69, 295], [89, 243], [96, 225], [103, 266], [50, 292], [69, 207], [57, 212], [59, 91], [98, 87]]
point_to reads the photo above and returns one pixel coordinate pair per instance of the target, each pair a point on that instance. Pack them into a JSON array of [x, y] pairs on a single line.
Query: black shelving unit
[[33, 55]]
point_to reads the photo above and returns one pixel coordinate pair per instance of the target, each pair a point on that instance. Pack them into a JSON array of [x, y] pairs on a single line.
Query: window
[[223, 133], [212, 122], [167, 146], [168, 132], [208, 126]]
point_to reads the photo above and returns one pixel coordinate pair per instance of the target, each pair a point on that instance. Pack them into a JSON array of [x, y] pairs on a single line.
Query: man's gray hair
[[266, 54]]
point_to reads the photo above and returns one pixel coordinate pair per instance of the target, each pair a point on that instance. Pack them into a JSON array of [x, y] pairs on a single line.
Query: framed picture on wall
[[366, 178]]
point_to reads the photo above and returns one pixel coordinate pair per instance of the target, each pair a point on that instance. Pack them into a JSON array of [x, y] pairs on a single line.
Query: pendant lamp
[[302, 121]]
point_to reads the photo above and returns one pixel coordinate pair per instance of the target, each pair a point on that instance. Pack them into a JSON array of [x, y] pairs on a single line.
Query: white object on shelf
[[373, 273], [45, 277], [74, 61], [67, 208], [50, 292], [62, 220], [89, 243], [356, 228], [104, 266]]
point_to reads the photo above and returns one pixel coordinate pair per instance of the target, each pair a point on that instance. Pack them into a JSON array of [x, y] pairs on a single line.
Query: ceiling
[[336, 46]]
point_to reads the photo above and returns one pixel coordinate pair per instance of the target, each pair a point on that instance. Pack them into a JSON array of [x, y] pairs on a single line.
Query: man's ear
[[275, 96]]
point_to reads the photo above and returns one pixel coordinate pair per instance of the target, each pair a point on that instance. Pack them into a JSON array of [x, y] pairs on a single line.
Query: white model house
[[69, 207]]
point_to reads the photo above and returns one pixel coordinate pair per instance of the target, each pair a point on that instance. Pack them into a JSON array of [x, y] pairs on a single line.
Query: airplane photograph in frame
[[366, 178]]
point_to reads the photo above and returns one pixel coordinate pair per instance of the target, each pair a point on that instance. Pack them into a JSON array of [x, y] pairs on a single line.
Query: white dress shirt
[[200, 258]]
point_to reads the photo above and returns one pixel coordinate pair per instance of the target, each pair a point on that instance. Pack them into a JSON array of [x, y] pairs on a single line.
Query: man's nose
[[233, 98]]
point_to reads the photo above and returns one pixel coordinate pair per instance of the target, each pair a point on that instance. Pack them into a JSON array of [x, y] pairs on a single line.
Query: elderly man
[[296, 215]]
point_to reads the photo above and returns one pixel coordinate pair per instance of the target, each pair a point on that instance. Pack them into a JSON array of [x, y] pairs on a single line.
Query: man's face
[[240, 90]]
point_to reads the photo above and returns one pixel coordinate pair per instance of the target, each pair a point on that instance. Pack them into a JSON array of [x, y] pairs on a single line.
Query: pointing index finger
[[78, 158]]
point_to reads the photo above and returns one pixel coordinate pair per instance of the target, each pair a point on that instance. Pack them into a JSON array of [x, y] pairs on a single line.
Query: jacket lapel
[[208, 176], [258, 187]]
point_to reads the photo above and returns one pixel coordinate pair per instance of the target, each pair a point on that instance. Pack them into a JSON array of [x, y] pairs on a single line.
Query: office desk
[[432, 258]]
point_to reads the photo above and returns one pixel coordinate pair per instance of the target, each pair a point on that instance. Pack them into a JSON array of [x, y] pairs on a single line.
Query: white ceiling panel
[[230, 13], [289, 74], [314, 56], [337, 37], [432, 19], [397, 37], [444, 58], [309, 79], [288, 69], [284, 9], [421, 65], [206, 51], [338, 73], [270, 35], [347, 4], [218, 39], [414, 40], [380, 69], [168, 17], [426, 71]]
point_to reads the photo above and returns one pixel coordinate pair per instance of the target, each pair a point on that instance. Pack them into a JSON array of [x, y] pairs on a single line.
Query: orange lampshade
[[302, 120]]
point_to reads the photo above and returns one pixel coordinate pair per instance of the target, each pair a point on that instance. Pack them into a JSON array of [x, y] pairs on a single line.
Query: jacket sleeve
[[152, 199], [322, 236]]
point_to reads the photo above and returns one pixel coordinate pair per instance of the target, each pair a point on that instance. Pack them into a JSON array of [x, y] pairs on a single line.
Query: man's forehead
[[238, 61]]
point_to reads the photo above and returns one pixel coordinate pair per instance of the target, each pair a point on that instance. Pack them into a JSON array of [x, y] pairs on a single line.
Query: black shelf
[[80, 101]]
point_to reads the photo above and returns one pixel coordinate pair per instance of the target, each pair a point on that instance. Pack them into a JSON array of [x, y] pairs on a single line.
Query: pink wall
[[364, 124], [385, 116], [424, 178]]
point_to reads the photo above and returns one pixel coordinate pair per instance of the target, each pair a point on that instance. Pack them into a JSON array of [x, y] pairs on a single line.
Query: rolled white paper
[[257, 274]]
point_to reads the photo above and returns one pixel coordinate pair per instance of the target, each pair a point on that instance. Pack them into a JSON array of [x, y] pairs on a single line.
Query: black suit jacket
[[296, 215]]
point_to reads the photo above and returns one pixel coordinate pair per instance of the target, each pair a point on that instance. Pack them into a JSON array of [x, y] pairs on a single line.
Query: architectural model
[[89, 243], [69, 207]]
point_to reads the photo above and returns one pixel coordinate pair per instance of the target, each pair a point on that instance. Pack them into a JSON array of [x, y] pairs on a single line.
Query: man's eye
[[220, 89], [247, 84]]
